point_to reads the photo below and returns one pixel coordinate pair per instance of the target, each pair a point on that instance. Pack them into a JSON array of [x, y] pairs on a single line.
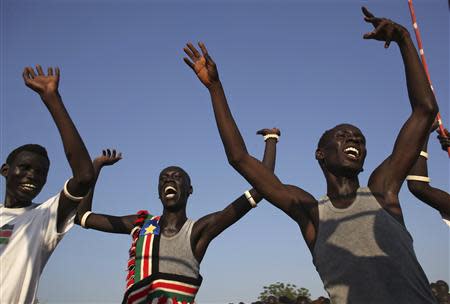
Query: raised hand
[[109, 157], [201, 64], [40, 83], [445, 141], [267, 131], [385, 29]]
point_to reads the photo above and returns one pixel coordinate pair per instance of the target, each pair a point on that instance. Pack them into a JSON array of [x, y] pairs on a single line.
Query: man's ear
[[319, 154], [4, 170]]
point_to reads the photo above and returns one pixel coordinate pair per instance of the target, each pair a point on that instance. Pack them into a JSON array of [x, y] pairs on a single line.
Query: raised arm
[[419, 183], [389, 176], [211, 225], [288, 198], [103, 222], [78, 157]]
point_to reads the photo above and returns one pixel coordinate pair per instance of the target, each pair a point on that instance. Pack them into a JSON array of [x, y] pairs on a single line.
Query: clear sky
[[301, 66]]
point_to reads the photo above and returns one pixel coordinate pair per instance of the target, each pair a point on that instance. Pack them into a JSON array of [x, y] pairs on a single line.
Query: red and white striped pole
[[424, 63]]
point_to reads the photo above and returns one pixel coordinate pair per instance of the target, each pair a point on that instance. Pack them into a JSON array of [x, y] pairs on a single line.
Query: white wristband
[[418, 178], [84, 218], [424, 154], [70, 196], [266, 137], [250, 199]]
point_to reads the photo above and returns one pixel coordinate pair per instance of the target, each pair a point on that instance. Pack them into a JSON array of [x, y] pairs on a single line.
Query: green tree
[[279, 289]]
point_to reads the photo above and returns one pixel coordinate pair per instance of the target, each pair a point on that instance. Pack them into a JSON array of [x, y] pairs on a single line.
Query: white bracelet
[[70, 196], [418, 178], [84, 218], [424, 154], [250, 199], [266, 137]]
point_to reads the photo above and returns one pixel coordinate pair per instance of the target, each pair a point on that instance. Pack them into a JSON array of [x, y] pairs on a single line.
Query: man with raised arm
[[29, 232], [166, 252], [357, 237], [418, 181]]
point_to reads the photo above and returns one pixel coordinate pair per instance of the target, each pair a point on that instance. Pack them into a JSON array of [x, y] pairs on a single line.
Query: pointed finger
[[366, 12], [189, 63], [50, 71]]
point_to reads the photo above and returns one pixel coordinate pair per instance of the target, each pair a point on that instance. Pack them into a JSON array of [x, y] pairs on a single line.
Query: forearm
[[86, 204], [229, 133], [74, 148], [434, 197], [420, 94]]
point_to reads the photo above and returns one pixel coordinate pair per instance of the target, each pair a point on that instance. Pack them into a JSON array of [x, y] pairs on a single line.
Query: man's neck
[[341, 190], [172, 221], [11, 202]]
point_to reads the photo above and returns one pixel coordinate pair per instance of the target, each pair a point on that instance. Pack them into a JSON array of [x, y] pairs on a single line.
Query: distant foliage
[[279, 289]]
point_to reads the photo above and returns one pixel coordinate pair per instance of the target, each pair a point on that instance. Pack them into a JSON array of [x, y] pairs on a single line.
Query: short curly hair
[[34, 148]]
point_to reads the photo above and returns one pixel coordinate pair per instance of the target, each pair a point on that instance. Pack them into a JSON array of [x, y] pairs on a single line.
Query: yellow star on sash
[[150, 229]]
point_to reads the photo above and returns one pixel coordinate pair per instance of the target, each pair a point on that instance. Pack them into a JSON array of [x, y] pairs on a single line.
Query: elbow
[[429, 108], [85, 179], [236, 159]]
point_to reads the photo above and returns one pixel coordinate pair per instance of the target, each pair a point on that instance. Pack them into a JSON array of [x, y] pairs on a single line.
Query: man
[[29, 232], [357, 237], [418, 181], [166, 252]]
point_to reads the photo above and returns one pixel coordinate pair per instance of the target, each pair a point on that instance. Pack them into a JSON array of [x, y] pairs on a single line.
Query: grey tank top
[[175, 253], [364, 256]]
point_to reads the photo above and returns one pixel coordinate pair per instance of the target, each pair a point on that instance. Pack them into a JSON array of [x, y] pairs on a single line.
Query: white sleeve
[[50, 213]]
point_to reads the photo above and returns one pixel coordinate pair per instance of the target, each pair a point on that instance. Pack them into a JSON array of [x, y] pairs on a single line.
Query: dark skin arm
[[104, 222], [297, 203], [78, 157], [434, 197], [386, 180], [211, 225]]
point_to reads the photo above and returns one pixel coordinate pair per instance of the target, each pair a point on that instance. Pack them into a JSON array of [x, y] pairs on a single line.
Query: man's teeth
[[170, 192], [28, 187], [352, 152]]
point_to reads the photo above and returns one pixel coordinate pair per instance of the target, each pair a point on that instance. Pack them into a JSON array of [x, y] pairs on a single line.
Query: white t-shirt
[[28, 237]]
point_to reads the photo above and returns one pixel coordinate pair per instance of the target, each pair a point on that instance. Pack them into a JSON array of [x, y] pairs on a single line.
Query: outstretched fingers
[[189, 63], [39, 70], [205, 53]]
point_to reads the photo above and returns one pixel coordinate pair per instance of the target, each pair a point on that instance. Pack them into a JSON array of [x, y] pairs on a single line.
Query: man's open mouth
[[170, 192], [352, 152]]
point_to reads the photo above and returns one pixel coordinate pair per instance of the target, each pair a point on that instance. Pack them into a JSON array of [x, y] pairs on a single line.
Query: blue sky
[[301, 66]]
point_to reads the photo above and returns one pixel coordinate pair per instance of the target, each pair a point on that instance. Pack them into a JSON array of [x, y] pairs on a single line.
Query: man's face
[[344, 152], [174, 187], [26, 176]]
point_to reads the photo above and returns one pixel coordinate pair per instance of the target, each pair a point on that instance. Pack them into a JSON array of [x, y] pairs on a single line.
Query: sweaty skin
[[340, 169], [174, 209], [434, 197], [32, 168]]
